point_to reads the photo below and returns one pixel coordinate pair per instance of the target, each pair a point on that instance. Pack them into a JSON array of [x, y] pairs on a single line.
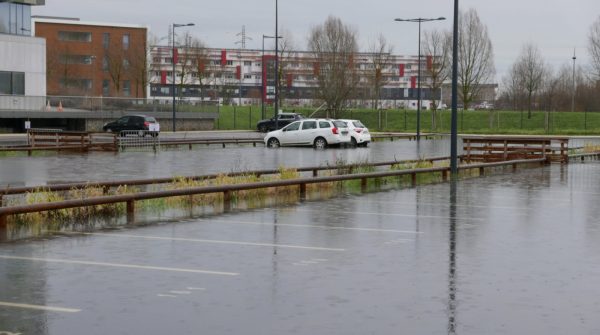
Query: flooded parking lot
[[508, 253]]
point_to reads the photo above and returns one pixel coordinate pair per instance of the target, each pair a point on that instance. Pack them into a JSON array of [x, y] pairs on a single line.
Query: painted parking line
[[120, 265], [167, 295], [311, 226], [196, 288], [201, 241], [46, 308], [432, 204], [386, 214]]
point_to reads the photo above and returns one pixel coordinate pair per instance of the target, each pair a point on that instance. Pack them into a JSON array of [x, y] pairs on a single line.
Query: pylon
[[60, 106], [48, 108]]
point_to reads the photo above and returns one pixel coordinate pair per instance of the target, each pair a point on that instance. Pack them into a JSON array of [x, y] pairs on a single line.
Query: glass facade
[[15, 19], [12, 83]]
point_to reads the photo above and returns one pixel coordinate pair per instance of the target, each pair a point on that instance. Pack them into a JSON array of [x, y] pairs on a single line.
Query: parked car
[[141, 123], [319, 133], [284, 119], [359, 134]]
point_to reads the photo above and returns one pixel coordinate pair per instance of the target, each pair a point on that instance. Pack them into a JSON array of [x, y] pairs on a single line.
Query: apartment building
[[90, 58], [244, 71], [22, 57]]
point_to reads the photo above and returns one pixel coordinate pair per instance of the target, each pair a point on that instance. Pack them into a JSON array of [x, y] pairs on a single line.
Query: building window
[[126, 88], [74, 59], [125, 64], [105, 64], [247, 76], [407, 67], [156, 60], [247, 63], [216, 62], [125, 41], [74, 83], [257, 64], [105, 40], [12, 83], [105, 87], [165, 90], [169, 60], [15, 18], [229, 62], [74, 36], [256, 77]]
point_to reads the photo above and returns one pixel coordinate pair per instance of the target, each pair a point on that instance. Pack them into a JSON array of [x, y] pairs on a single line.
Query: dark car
[[141, 123], [284, 119]]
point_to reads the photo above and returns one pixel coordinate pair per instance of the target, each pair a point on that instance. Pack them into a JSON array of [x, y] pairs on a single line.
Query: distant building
[[22, 57], [71, 47]]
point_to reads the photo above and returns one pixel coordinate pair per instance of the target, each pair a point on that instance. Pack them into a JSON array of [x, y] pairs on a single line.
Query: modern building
[[242, 69], [22, 57], [91, 58]]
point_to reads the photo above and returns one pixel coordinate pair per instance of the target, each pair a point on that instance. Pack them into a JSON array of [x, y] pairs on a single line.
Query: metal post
[[264, 73], [573, 92], [276, 68], [173, 59], [419, 87], [453, 129]]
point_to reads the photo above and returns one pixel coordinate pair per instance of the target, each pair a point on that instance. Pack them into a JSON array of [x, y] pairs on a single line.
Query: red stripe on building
[[289, 80], [401, 70], [378, 73], [316, 70], [413, 82], [238, 70], [163, 77], [175, 55], [429, 62], [351, 60], [201, 65], [223, 57]]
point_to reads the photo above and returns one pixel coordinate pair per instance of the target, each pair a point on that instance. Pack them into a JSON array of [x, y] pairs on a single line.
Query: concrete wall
[[165, 124], [25, 54]]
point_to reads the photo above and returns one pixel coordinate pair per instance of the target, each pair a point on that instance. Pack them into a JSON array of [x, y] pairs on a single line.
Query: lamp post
[[573, 91], [454, 121], [239, 56], [264, 74], [276, 68], [174, 26], [93, 76], [419, 20]]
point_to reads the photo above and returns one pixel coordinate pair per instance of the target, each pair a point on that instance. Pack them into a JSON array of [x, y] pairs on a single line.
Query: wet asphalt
[[508, 253]]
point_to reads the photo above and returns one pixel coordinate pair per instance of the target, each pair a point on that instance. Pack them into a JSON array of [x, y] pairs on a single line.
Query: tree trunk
[[529, 106]]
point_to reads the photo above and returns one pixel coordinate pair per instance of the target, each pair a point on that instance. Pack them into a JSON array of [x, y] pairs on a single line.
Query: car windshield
[[340, 124], [150, 119], [358, 124]]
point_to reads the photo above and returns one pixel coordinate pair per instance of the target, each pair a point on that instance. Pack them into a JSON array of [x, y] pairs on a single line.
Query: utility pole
[[573, 91]]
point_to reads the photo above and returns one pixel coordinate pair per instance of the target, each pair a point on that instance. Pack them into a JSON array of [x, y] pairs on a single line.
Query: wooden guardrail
[[68, 140], [498, 149], [130, 199]]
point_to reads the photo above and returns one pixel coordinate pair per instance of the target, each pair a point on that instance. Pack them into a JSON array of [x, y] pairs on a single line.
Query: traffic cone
[[60, 106], [48, 108]]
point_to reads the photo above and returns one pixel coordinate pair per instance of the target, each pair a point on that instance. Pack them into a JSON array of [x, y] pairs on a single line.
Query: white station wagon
[[319, 133]]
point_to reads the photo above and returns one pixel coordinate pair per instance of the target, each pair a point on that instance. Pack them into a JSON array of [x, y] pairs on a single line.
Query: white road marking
[[430, 204], [298, 264], [311, 226], [47, 308], [166, 295], [386, 214], [181, 292], [309, 262], [195, 288], [319, 260], [202, 241], [120, 265]]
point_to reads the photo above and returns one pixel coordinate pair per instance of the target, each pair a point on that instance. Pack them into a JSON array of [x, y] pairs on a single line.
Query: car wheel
[[108, 130], [141, 133], [353, 142], [273, 143], [320, 143], [263, 128]]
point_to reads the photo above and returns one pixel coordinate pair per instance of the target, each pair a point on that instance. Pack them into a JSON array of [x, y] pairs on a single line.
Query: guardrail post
[[363, 182], [414, 179], [227, 196], [303, 188], [481, 171], [130, 206], [223, 144], [514, 166], [445, 175], [315, 173], [105, 190], [3, 220], [190, 146]]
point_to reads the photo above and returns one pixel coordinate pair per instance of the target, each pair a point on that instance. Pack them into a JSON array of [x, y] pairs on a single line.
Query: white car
[[359, 134], [310, 132]]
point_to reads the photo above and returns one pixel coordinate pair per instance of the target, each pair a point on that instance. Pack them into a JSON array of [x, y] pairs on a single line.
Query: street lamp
[[239, 56], [264, 74], [93, 75], [454, 121], [573, 91], [276, 68], [419, 20], [174, 26]]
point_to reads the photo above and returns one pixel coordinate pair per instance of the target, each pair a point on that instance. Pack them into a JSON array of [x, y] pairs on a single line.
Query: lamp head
[[441, 18], [191, 24], [398, 20]]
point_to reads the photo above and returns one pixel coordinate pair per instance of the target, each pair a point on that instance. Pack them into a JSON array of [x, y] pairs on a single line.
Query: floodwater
[[508, 253]]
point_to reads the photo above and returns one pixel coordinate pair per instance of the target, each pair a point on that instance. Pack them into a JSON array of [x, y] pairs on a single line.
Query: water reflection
[[452, 303]]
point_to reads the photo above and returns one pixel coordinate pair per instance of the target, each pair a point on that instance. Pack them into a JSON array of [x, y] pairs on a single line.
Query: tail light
[[358, 130], [335, 130], [146, 124]]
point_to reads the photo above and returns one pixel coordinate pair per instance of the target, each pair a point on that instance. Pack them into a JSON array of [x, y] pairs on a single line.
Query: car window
[[324, 124], [122, 120], [340, 124], [309, 125], [292, 127], [300, 116], [136, 119], [150, 119], [358, 124]]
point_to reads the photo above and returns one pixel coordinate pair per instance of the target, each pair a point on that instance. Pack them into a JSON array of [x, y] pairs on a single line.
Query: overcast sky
[[556, 26]]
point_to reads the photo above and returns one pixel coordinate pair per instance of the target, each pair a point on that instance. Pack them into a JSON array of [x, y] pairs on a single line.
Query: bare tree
[[287, 49], [475, 57], [203, 70], [594, 51], [142, 71], [186, 60], [332, 44], [531, 68], [438, 45], [550, 87], [512, 86], [115, 61], [380, 52]]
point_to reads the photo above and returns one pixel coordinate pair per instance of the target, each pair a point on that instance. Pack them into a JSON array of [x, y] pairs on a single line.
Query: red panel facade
[[429, 62], [401, 70], [238, 72], [413, 82], [223, 57], [289, 80], [175, 55], [163, 77], [316, 68], [351, 60]]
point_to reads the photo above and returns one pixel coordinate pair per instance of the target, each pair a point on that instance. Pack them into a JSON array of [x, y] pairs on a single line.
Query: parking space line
[[202, 241], [196, 288], [386, 214], [311, 226], [47, 308], [120, 265], [424, 203]]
